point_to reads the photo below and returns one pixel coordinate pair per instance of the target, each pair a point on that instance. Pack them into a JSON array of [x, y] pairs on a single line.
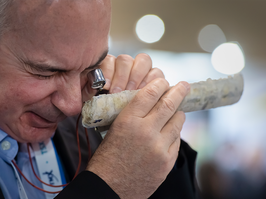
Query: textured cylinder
[[103, 109]]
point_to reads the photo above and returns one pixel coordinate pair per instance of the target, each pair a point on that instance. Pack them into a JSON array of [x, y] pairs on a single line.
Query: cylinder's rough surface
[[103, 109]]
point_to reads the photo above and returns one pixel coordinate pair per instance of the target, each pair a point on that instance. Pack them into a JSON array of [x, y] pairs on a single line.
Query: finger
[[173, 152], [108, 69], [142, 65], [171, 131], [168, 104], [123, 65], [153, 74], [146, 98]]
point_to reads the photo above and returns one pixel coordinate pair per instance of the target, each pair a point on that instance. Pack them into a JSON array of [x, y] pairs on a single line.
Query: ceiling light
[[228, 58], [210, 37], [150, 28]]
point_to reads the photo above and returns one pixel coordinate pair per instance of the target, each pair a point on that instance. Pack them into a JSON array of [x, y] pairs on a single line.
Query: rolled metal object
[[103, 109]]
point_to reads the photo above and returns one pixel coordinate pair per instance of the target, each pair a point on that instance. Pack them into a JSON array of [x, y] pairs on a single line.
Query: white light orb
[[228, 58], [150, 28], [210, 37]]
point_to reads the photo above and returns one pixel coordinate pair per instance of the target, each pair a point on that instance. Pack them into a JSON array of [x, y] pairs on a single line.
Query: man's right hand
[[142, 145]]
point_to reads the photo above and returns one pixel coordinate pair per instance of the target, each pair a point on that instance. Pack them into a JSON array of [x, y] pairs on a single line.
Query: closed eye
[[43, 76], [42, 71]]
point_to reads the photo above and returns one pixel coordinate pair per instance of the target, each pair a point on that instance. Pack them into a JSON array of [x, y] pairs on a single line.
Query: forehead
[[62, 28]]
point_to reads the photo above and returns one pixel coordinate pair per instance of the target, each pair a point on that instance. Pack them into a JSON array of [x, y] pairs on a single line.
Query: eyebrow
[[43, 67], [99, 60]]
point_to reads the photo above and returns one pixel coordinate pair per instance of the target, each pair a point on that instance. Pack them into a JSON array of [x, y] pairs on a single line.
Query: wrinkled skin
[[147, 139], [45, 57], [36, 100]]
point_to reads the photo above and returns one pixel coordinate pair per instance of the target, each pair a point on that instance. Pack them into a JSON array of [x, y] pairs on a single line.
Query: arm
[[87, 185]]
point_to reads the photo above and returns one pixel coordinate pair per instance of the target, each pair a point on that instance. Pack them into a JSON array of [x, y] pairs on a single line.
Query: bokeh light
[[210, 37], [228, 58], [150, 28]]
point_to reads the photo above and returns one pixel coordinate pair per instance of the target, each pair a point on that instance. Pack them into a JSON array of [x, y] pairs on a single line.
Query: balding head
[[4, 5], [9, 8], [46, 23], [48, 49]]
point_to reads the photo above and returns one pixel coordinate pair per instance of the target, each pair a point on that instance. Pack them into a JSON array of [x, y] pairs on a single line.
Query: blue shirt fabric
[[7, 175], [8, 181]]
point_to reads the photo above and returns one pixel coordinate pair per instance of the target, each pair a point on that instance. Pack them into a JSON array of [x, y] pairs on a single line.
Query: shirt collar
[[2, 135], [8, 147]]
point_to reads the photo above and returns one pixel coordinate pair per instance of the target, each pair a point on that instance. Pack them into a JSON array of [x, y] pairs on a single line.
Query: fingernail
[[131, 86], [107, 84], [116, 90], [186, 85]]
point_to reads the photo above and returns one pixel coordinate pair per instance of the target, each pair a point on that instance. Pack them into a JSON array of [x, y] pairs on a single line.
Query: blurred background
[[193, 40]]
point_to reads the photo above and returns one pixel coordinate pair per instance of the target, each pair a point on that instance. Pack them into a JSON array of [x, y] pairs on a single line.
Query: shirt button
[[5, 145]]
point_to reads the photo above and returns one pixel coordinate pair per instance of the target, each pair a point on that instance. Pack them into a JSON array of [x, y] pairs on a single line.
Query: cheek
[[17, 96], [28, 91]]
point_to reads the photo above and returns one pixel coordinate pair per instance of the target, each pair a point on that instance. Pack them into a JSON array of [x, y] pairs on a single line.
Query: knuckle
[[182, 116], [156, 73], [182, 90], [176, 131], [125, 58], [168, 104], [110, 57], [144, 57], [163, 81], [152, 91], [158, 151]]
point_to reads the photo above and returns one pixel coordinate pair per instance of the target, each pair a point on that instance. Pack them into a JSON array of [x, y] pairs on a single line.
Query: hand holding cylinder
[[102, 110]]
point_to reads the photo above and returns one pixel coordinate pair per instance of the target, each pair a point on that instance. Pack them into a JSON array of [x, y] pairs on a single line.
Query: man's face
[[44, 61]]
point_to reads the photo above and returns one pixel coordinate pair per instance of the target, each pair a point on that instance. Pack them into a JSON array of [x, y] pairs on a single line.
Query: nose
[[67, 98]]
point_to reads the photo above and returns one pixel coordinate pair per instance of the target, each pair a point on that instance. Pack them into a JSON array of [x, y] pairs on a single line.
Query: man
[[47, 50]]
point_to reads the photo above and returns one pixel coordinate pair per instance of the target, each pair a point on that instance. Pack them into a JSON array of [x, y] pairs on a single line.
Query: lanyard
[[21, 190], [47, 164]]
